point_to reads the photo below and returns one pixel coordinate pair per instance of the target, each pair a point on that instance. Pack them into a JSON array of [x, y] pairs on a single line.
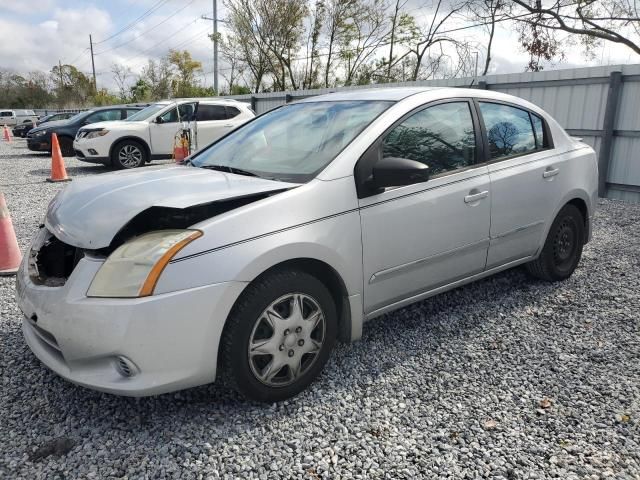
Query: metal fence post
[[288, 98], [482, 85], [606, 147]]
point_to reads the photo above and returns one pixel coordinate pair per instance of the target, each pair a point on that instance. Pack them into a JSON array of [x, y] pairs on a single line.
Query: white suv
[[151, 133], [16, 117]]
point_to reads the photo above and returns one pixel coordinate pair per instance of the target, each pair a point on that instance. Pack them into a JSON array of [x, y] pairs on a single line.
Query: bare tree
[[364, 33], [614, 21], [487, 12], [434, 33], [337, 12], [121, 74]]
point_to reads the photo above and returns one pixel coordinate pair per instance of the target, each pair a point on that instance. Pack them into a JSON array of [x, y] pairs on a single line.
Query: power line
[[146, 31], [153, 8], [167, 38]]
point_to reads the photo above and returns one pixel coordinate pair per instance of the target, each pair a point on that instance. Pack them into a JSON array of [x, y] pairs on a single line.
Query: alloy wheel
[[130, 156]]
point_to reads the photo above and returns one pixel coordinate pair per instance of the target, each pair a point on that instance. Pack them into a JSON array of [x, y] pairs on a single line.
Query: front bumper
[[171, 339], [39, 144], [88, 153]]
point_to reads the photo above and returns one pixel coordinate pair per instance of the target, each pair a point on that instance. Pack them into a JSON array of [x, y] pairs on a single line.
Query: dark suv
[[39, 138]]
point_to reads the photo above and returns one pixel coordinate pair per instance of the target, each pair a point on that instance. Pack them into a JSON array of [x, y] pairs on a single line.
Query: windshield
[[146, 113], [292, 143]]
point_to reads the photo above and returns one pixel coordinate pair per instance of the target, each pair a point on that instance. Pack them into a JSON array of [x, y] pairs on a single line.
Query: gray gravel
[[506, 378]]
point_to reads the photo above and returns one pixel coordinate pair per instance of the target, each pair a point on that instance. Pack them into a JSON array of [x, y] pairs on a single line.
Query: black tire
[[563, 247], [236, 363], [128, 154], [66, 146]]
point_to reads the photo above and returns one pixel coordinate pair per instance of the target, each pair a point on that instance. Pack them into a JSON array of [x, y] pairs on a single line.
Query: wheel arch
[[142, 142], [350, 316]]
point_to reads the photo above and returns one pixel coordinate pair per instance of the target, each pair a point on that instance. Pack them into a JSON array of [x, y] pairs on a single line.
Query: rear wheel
[[128, 154], [279, 336], [563, 247]]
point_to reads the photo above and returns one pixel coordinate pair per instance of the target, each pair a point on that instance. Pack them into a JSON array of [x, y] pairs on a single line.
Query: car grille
[[53, 262], [79, 154]]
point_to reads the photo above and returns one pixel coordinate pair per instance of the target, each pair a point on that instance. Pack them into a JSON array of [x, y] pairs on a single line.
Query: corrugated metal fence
[[600, 104]]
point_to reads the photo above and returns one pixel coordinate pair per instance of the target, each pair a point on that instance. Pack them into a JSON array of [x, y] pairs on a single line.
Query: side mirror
[[396, 172], [159, 120]]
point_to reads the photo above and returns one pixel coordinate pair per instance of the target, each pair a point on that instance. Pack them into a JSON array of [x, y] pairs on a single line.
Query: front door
[[166, 127], [423, 236]]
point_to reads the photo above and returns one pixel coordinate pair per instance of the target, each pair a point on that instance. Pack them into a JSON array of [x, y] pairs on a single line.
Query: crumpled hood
[[90, 211]]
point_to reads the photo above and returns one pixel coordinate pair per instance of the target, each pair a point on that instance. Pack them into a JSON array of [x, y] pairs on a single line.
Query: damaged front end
[[51, 261]]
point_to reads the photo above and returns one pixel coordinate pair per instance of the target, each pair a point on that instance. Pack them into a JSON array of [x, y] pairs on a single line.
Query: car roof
[[127, 105], [383, 93], [217, 100]]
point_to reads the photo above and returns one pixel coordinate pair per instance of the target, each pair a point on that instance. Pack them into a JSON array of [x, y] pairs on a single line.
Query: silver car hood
[[90, 211]]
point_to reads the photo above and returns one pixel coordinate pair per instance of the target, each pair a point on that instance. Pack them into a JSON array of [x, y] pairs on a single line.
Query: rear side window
[[232, 112], [211, 112], [6, 114], [442, 137], [538, 127], [509, 130]]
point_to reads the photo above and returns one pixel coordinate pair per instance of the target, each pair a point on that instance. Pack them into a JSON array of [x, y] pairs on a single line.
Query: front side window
[[442, 137], [6, 114], [104, 116], [509, 130], [182, 113], [292, 143], [129, 112]]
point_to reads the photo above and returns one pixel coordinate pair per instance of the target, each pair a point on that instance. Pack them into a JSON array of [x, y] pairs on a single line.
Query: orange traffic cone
[[58, 172], [7, 134], [10, 256]]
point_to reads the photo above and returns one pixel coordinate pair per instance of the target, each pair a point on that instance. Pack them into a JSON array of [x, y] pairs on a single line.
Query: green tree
[[185, 68]]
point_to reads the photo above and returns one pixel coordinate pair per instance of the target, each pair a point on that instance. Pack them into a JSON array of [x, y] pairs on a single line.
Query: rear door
[[524, 171], [213, 123]]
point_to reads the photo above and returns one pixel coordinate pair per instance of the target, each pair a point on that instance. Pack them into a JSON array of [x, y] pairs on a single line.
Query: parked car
[[150, 134], [288, 233], [15, 117], [22, 129], [39, 138]]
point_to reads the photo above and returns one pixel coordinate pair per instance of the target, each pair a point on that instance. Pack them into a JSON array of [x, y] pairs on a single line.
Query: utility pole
[[214, 19], [476, 74], [60, 72], [93, 65]]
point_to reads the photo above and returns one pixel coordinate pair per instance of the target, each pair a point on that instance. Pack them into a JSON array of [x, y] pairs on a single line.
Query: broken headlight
[[133, 269]]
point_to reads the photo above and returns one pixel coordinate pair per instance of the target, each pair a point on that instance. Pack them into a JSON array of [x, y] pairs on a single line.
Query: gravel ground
[[505, 378]]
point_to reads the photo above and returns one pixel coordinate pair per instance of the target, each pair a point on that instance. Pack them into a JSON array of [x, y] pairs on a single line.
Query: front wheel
[[66, 146], [279, 336], [563, 247], [128, 154]]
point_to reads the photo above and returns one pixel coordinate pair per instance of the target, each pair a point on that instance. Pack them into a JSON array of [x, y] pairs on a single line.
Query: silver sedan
[[260, 252]]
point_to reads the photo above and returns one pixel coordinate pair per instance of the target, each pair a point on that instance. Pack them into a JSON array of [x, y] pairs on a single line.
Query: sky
[[36, 34]]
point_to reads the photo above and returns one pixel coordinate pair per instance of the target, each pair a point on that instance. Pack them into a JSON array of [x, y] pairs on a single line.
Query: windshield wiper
[[226, 168]]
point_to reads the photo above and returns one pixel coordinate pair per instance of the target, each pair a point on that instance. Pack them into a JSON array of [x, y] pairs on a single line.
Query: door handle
[[474, 197], [550, 172]]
